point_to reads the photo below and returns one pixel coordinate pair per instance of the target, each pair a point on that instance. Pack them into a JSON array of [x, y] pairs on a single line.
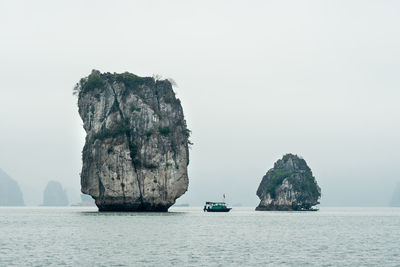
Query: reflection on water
[[187, 236], [141, 213]]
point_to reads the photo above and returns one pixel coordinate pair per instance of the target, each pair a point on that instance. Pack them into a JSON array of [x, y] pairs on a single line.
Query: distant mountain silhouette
[[396, 196], [10, 193], [54, 195], [87, 200]]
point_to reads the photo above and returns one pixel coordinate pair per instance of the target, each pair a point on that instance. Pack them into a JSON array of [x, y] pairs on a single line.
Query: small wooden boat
[[216, 207]]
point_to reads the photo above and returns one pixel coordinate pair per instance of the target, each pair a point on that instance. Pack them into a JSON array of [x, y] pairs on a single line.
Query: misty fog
[[256, 80]]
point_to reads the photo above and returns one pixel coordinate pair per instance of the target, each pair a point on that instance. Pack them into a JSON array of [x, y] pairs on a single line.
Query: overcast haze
[[257, 79]]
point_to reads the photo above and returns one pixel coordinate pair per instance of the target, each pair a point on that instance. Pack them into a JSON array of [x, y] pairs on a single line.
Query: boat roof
[[218, 203]]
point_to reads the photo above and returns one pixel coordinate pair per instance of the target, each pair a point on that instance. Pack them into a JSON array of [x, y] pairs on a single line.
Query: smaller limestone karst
[[289, 185], [54, 195]]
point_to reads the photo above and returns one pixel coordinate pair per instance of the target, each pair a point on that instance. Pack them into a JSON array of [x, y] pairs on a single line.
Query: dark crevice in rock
[[131, 146], [158, 100], [101, 189]]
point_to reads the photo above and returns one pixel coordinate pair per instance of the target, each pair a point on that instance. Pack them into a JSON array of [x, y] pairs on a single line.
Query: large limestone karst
[[54, 195], [136, 152], [10, 193], [289, 185]]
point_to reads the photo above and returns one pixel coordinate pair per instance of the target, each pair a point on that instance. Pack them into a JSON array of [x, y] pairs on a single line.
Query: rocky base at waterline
[[289, 185], [128, 204], [136, 153]]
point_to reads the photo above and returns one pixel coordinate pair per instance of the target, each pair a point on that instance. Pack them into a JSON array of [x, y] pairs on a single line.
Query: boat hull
[[218, 210]]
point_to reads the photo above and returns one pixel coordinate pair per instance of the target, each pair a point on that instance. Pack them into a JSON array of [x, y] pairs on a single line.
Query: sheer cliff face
[[136, 151], [290, 185]]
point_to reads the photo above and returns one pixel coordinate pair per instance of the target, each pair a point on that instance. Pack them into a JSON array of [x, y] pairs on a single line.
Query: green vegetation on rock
[[120, 128], [131, 81], [89, 83], [164, 130], [276, 180]]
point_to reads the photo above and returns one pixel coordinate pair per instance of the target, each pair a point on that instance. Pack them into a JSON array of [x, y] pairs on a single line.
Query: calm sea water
[[77, 236]]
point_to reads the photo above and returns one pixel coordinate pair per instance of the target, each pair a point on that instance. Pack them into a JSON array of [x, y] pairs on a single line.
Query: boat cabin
[[216, 207]]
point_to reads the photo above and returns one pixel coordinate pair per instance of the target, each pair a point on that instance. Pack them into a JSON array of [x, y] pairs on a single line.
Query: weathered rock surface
[[10, 193], [136, 152], [54, 195], [290, 185]]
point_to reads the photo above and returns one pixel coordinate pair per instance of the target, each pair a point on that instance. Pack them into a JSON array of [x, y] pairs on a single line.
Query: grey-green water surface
[[78, 236]]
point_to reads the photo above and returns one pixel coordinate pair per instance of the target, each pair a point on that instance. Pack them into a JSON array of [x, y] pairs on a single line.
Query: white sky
[[257, 79]]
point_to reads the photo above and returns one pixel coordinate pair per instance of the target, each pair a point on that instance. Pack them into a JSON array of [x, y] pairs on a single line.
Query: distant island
[[137, 144], [54, 195], [10, 192], [289, 185], [396, 196]]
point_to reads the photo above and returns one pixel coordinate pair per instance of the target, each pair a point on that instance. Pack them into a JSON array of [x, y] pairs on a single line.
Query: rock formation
[[54, 195], [136, 152], [290, 185], [395, 202], [10, 193]]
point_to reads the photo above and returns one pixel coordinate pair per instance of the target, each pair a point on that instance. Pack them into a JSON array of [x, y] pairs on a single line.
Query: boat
[[216, 207]]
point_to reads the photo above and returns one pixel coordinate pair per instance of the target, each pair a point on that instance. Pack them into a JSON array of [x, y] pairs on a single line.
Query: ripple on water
[[189, 237]]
